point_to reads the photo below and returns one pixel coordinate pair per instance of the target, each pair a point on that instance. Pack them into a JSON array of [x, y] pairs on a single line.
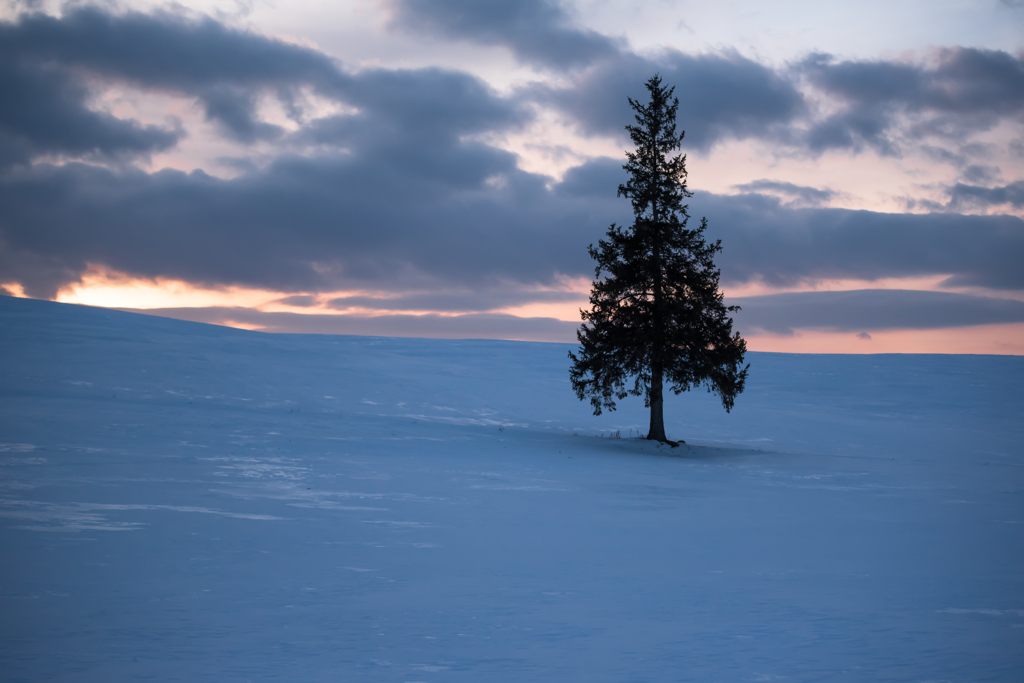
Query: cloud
[[42, 58], [419, 115], [538, 32], [477, 301], [399, 194], [597, 178], [720, 95], [775, 314], [45, 113], [301, 224], [886, 103], [888, 106], [384, 225], [297, 300], [469, 326], [963, 196], [980, 173], [800, 194], [882, 104], [870, 309], [222, 67], [392, 164], [768, 242]]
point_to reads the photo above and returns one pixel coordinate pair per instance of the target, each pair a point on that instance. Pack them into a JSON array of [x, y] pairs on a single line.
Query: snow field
[[187, 502]]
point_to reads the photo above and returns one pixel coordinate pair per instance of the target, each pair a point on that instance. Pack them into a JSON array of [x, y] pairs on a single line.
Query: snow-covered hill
[[187, 502]]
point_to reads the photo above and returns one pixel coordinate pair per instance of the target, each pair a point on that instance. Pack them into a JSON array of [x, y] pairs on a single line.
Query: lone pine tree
[[656, 312]]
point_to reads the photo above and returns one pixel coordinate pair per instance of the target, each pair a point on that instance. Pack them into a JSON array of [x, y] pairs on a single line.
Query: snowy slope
[[187, 502]]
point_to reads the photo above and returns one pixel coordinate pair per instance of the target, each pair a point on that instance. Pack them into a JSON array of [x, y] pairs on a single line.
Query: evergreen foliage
[[657, 313]]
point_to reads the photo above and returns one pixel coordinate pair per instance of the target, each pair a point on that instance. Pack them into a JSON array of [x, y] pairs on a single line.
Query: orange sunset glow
[[105, 288]]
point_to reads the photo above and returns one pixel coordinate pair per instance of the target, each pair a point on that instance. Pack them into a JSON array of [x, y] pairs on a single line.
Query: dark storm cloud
[[870, 309], [974, 196], [469, 326], [962, 91], [538, 32]]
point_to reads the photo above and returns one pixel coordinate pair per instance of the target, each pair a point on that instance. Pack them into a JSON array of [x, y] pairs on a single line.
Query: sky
[[437, 168]]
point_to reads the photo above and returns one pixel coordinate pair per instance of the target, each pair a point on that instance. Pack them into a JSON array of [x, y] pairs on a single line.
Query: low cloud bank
[[857, 311], [467, 326], [870, 310], [326, 224]]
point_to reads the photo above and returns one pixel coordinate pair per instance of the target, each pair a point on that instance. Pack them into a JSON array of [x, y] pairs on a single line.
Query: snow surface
[[186, 502]]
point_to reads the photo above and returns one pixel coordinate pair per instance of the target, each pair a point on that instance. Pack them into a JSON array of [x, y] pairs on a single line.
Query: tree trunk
[[657, 430]]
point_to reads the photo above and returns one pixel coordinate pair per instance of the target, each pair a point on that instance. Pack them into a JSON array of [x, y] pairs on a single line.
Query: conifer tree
[[656, 312]]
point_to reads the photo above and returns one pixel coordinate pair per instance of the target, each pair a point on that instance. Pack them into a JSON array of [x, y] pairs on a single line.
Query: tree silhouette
[[656, 313]]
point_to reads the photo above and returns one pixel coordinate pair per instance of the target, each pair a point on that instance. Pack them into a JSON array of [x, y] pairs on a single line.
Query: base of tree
[[673, 444]]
